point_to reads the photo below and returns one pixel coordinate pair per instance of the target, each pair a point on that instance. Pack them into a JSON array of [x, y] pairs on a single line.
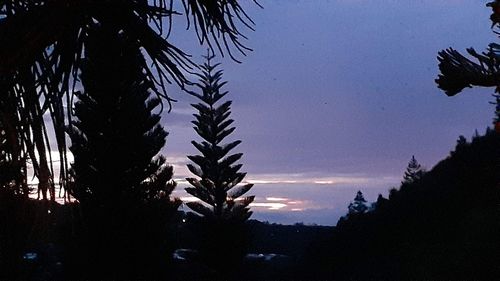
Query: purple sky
[[337, 96]]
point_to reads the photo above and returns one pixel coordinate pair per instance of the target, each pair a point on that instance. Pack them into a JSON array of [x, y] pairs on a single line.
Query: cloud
[[269, 206], [260, 204], [276, 199], [318, 178]]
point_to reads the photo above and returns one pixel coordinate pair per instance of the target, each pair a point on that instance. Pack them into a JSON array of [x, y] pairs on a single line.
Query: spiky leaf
[[200, 209], [240, 190]]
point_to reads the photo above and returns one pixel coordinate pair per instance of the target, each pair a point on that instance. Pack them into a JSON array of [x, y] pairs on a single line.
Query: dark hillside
[[445, 226]]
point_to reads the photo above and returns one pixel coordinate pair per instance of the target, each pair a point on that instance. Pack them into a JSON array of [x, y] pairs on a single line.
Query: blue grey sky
[[337, 96]]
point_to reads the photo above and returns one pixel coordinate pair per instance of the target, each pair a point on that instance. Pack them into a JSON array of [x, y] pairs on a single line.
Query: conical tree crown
[[116, 136], [413, 171], [218, 172], [358, 206]]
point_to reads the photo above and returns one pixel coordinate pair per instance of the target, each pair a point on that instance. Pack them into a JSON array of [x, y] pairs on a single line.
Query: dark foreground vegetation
[[443, 226]]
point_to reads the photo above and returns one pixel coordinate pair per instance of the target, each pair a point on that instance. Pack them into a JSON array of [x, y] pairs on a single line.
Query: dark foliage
[[413, 171], [22, 123], [221, 205], [43, 49], [59, 30], [496, 118], [218, 172], [358, 205], [116, 134], [443, 226], [459, 72], [13, 170], [123, 190]]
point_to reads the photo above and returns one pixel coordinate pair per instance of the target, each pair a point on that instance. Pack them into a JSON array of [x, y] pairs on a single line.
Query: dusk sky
[[336, 97]]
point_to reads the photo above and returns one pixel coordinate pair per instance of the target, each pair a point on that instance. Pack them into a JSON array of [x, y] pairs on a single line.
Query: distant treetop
[[414, 171], [359, 205]]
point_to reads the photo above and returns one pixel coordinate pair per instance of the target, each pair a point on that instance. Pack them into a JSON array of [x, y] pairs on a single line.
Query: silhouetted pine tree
[[116, 135], [123, 189], [413, 171], [223, 235], [359, 205], [219, 176]]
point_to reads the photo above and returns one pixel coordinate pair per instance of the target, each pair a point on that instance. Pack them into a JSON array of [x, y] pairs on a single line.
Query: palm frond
[[459, 72], [49, 37]]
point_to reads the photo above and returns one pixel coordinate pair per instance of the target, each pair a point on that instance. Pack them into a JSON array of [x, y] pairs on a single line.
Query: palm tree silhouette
[[43, 47]]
